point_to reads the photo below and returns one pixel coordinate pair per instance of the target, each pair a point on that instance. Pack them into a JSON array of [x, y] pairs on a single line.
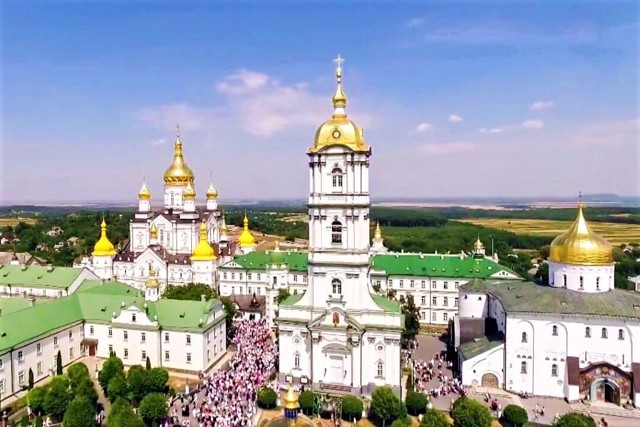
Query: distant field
[[4, 222], [614, 232]]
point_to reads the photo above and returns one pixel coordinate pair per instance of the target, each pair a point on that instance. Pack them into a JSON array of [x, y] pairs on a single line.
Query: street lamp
[[291, 406]]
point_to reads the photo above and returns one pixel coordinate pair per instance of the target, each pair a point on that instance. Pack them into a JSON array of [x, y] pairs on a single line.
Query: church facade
[[576, 338]]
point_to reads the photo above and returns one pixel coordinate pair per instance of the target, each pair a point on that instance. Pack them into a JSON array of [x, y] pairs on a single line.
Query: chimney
[[32, 302], [203, 298], [49, 267]]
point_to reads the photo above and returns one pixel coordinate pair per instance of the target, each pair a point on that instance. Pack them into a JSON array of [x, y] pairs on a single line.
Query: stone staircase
[[611, 411]]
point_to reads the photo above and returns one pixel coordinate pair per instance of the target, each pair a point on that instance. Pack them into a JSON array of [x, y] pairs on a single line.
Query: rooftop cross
[[178, 130], [339, 60]]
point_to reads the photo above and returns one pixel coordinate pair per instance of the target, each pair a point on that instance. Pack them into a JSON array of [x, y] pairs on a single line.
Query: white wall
[[491, 362], [582, 278]]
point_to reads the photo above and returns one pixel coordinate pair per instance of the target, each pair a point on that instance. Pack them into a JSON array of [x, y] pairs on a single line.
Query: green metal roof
[[528, 297], [296, 261], [386, 304], [478, 346], [107, 288], [174, 314], [291, 299], [9, 305], [433, 265], [36, 276]]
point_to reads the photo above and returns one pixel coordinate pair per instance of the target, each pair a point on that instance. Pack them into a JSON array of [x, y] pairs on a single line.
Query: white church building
[[577, 338]]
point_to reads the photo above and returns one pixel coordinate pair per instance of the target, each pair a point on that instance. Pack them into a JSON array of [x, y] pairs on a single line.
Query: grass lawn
[[615, 233]]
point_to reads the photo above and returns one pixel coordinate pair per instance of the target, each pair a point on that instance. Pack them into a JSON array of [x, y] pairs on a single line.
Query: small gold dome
[[579, 245], [153, 231], [377, 236], [212, 193], [152, 282], [189, 192], [103, 246], [291, 399], [246, 239], [478, 245], [178, 173], [223, 228], [144, 193], [203, 250], [339, 130]]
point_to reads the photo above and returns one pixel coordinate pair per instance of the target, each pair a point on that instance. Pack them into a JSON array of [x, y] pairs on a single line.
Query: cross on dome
[[339, 60]]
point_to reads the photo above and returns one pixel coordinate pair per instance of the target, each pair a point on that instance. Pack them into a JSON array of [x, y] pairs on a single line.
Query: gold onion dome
[[203, 250], [478, 245], [377, 235], [291, 399], [246, 239], [339, 130], [178, 173], [212, 193], [144, 193], [153, 231], [223, 227], [152, 281], [580, 245], [103, 246], [189, 192]]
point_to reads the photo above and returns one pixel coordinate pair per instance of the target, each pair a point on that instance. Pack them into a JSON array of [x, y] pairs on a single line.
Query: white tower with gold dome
[[144, 198], [152, 286], [246, 241], [177, 177], [580, 259], [212, 197], [102, 255], [378, 241], [339, 336], [189, 198], [203, 260]]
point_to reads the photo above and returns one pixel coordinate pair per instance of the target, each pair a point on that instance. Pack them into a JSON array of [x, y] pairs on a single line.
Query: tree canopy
[[80, 413], [574, 419], [385, 405]]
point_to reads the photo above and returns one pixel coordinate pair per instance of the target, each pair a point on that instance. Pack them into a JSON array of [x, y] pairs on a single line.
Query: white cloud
[[614, 133], [415, 22], [156, 142], [492, 130], [541, 105], [533, 124], [454, 118], [423, 127], [243, 81], [447, 148]]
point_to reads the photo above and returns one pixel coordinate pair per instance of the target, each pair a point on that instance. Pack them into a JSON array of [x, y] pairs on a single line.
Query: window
[[411, 284], [434, 300], [434, 316], [39, 368], [70, 353], [620, 334], [143, 337], [434, 284], [189, 358], [110, 332], [20, 357], [336, 232], [70, 335], [233, 276], [21, 377], [188, 339], [554, 330], [456, 285], [166, 337], [38, 349], [208, 355], [143, 356], [91, 330], [133, 318], [2, 386], [423, 285], [604, 333], [248, 276], [423, 300], [564, 280], [275, 280], [455, 302], [581, 282], [587, 332], [296, 361], [110, 349], [380, 369], [523, 368], [258, 276], [554, 370], [445, 285], [597, 283], [304, 279], [240, 276], [336, 286], [336, 177], [445, 316], [1, 365], [125, 335], [166, 356], [445, 301], [402, 283], [524, 337], [224, 275]]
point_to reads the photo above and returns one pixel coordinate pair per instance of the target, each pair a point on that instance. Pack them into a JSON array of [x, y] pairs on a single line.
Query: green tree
[[85, 389], [59, 363], [31, 381], [112, 366], [434, 418], [307, 400], [385, 405], [401, 422], [38, 422], [117, 388], [515, 415], [148, 363], [192, 291], [230, 313], [157, 379], [77, 373], [574, 419], [122, 415], [469, 413], [542, 275], [80, 413], [24, 421], [267, 398], [283, 294], [138, 384], [153, 408], [58, 397], [36, 398], [411, 317], [351, 408], [416, 403]]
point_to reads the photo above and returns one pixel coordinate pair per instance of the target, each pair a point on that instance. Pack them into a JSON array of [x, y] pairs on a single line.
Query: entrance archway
[[605, 390], [489, 380]]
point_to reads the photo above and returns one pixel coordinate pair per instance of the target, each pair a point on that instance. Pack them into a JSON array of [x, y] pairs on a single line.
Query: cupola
[[178, 173], [203, 250], [246, 240], [103, 246]]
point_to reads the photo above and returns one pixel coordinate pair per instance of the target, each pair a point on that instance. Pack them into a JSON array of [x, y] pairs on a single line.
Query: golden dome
[[478, 246], [189, 192], [291, 399], [223, 228], [377, 235], [153, 231], [580, 245], [152, 281], [203, 250], [212, 193], [144, 193], [339, 130], [246, 239], [103, 246], [178, 173]]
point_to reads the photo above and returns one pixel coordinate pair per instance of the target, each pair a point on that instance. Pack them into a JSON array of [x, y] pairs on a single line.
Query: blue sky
[[457, 99]]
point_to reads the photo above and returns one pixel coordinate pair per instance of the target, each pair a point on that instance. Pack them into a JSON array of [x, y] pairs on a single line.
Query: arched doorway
[[489, 380], [605, 390]]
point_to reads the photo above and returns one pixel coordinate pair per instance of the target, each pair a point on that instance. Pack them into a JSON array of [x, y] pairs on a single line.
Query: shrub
[[80, 413], [117, 387], [434, 418], [153, 408], [385, 405], [77, 373], [575, 419], [111, 367], [516, 415], [58, 397], [469, 413], [267, 398], [402, 422], [307, 400], [416, 403], [36, 397], [351, 408]]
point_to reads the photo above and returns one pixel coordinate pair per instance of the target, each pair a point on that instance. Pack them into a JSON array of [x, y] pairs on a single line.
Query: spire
[[224, 227], [339, 97], [203, 250]]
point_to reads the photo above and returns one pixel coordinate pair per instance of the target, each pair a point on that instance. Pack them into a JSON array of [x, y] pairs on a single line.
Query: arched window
[[172, 199], [597, 283], [554, 370], [523, 368], [336, 177], [554, 330], [336, 232], [587, 332], [620, 334], [564, 280], [524, 337], [380, 369], [296, 361], [604, 333], [336, 286], [161, 236], [581, 282]]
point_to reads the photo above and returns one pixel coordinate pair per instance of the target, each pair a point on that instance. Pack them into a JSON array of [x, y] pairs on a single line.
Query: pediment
[[336, 348]]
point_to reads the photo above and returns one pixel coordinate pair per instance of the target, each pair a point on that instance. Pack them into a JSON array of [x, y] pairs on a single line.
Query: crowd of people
[[227, 398], [425, 372]]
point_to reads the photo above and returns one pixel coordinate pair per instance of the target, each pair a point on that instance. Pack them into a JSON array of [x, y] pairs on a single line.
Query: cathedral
[[183, 242]]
